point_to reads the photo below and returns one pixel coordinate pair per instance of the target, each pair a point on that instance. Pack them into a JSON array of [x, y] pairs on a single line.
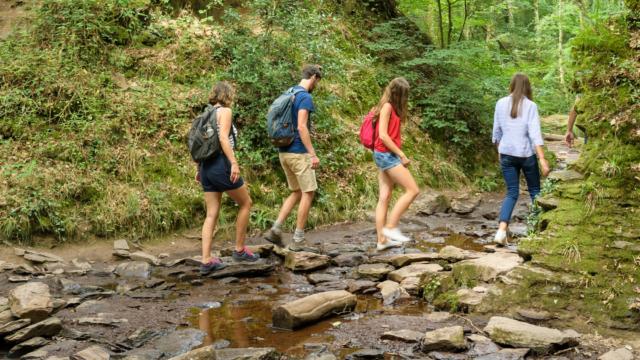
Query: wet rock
[[312, 308], [321, 278], [305, 261], [73, 334], [104, 319], [41, 257], [264, 250], [481, 345], [519, 334], [411, 285], [46, 328], [27, 346], [134, 269], [14, 326], [429, 203], [211, 352], [548, 202], [19, 279], [469, 299], [465, 205], [408, 336], [565, 175], [178, 342], [31, 301], [356, 286], [366, 354], [407, 259], [41, 355], [374, 271], [144, 257], [453, 254], [331, 286], [235, 269], [351, 259], [151, 283], [505, 354], [413, 271], [438, 316], [391, 292], [532, 315], [444, 339], [26, 269], [92, 353], [487, 267], [618, 354]]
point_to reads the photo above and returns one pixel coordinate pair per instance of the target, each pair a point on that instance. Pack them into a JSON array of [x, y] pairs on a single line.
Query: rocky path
[[337, 299]]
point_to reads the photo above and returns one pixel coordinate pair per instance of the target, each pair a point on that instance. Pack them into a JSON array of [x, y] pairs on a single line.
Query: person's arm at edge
[[497, 132], [383, 133], [569, 136], [535, 136], [225, 144], [305, 137]]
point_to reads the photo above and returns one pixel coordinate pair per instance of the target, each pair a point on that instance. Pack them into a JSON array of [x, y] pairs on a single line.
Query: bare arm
[[569, 136], [305, 136], [383, 131], [224, 120]]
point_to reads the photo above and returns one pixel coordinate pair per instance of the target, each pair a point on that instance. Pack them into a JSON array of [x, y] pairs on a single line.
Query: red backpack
[[368, 131]]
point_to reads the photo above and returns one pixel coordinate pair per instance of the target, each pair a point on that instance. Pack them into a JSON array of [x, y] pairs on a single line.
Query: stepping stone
[[41, 257], [411, 285], [408, 259], [531, 315], [305, 261], [618, 354], [134, 269], [465, 205], [408, 336], [548, 202], [444, 339], [178, 342], [142, 256], [46, 328], [438, 316], [541, 340], [453, 254], [469, 299], [565, 175], [14, 326], [413, 271], [27, 346], [312, 308], [351, 259], [356, 286], [322, 278], [391, 291], [506, 354], [92, 353], [243, 269], [31, 301], [374, 271], [481, 345], [487, 267], [430, 202]]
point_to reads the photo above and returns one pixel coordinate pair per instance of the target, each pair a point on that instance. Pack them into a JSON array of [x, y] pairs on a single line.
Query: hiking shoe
[[388, 244], [274, 236], [211, 266], [245, 255], [500, 238], [395, 234]]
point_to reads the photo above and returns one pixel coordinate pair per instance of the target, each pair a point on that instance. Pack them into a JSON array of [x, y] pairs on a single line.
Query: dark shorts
[[215, 175]]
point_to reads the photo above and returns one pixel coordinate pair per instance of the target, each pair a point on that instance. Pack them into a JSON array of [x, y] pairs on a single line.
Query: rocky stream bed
[[338, 298]]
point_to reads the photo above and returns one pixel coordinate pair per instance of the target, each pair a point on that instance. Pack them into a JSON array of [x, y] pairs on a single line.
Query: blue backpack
[[280, 118]]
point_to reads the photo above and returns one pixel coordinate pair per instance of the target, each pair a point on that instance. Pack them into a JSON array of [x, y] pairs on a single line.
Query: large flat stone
[[243, 269], [27, 346], [178, 342], [430, 202], [444, 339], [565, 175], [351, 259], [134, 269], [41, 257], [488, 267], [453, 254], [45, 328], [541, 340], [14, 326], [618, 354], [413, 271], [312, 308], [408, 336], [211, 352], [374, 271], [305, 261], [401, 260], [143, 256], [92, 353], [31, 301]]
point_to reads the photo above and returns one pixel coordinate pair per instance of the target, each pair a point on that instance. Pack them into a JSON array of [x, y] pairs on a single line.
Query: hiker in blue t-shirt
[[299, 160]]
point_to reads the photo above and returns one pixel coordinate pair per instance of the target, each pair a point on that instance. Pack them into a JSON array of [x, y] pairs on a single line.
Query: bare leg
[[288, 205], [400, 175], [212, 201], [503, 226], [243, 199], [303, 209], [386, 187]]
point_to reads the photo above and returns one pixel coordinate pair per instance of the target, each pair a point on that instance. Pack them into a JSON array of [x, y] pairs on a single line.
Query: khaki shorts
[[300, 175]]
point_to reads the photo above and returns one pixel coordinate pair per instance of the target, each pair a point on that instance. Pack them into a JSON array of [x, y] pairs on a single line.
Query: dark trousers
[[511, 167]]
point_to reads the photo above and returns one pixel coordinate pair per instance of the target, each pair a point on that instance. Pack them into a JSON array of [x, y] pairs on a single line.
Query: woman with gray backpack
[[212, 140]]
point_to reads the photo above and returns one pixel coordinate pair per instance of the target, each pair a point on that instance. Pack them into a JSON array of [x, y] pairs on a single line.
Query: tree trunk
[[440, 23], [560, 47], [510, 20], [464, 23], [536, 12], [450, 22]]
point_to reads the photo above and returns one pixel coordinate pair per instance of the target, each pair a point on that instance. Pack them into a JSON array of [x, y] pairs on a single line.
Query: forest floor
[[150, 302]]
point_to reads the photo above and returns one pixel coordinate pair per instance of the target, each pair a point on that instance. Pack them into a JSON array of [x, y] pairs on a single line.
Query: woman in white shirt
[[517, 134]]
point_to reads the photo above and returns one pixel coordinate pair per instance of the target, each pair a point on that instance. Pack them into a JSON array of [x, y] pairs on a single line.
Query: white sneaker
[[501, 237], [395, 234], [389, 244]]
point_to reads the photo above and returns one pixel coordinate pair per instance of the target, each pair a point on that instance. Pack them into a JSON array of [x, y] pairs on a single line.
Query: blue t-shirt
[[303, 101]]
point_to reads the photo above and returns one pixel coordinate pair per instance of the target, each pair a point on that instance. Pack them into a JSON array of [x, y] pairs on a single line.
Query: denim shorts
[[386, 160]]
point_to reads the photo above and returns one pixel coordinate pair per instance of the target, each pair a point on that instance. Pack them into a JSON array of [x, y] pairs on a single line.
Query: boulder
[[143, 256], [444, 339], [618, 354], [487, 267], [31, 301], [407, 259], [45, 328], [408, 336], [565, 175], [92, 353], [312, 308], [374, 271], [243, 269], [134, 269], [541, 340], [178, 342], [14, 326], [351, 259], [465, 204], [413, 271], [6, 316], [469, 299], [27, 346], [411, 285], [391, 291], [430, 202], [121, 244], [305, 261]]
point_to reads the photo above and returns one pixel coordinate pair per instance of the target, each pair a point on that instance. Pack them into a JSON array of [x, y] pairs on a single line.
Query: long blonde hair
[[519, 88], [397, 94]]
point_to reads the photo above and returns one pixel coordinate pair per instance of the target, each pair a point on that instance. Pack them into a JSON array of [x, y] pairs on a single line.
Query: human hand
[[235, 172], [405, 160], [315, 162], [197, 177], [568, 138], [545, 167]]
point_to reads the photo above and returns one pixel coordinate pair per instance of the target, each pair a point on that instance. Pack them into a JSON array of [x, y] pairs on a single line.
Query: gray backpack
[[280, 118], [204, 142]]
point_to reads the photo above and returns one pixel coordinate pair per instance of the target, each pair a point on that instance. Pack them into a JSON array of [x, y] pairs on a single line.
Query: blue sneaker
[[245, 255], [211, 266]]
